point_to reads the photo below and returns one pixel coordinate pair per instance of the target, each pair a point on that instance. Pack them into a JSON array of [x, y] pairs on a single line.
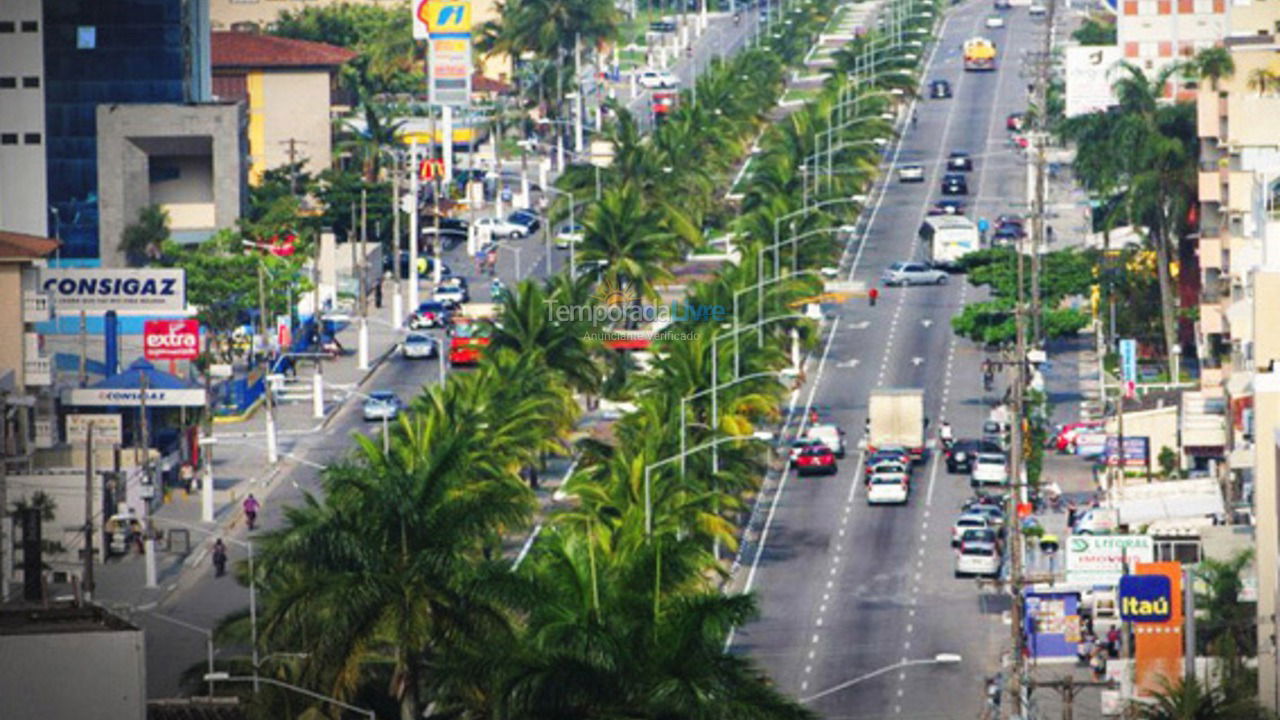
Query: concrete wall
[[1266, 509], [188, 198], [295, 106], [24, 202], [128, 135], [83, 675], [11, 326]]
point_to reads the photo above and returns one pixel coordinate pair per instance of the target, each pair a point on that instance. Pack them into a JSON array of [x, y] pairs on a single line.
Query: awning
[[125, 390]]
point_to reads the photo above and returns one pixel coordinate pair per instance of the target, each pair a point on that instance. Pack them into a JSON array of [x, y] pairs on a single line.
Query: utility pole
[[1016, 489], [292, 144], [86, 582], [272, 455], [317, 379], [397, 301], [357, 267], [1041, 140], [148, 542], [84, 350]]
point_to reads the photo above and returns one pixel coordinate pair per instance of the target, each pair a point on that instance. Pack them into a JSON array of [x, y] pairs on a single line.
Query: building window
[[8, 138], [86, 37], [7, 26], [31, 81], [8, 82], [31, 138], [30, 26]]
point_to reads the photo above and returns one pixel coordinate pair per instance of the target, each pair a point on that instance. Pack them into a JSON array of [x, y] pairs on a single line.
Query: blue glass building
[[95, 52]]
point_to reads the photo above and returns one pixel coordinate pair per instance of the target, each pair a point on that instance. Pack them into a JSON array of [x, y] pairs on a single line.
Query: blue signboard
[[1129, 360], [1145, 598], [1052, 624], [1137, 450]]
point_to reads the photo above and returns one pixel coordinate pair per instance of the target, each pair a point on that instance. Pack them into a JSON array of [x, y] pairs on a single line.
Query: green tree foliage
[[142, 240], [1064, 274], [1095, 31], [383, 37]]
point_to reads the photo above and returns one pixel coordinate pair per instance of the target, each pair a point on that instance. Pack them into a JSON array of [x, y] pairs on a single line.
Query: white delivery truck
[[948, 238], [896, 418], [1149, 507]]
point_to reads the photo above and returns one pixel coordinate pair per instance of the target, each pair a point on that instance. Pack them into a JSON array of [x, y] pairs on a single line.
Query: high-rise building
[[1239, 259], [22, 128]]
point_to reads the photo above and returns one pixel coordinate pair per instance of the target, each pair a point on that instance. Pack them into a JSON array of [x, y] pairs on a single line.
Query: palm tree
[[628, 235], [1215, 63], [1228, 627], [1192, 699], [535, 321], [1263, 80]]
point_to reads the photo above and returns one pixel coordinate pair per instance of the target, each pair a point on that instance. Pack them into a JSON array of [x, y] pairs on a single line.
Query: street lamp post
[[648, 469], [208, 639], [939, 659], [759, 285], [226, 677], [573, 223]]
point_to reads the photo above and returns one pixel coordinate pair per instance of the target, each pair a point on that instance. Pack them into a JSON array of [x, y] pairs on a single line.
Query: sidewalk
[[240, 467]]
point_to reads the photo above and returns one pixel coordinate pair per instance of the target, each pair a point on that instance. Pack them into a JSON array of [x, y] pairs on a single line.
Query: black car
[[388, 265], [960, 456], [959, 161], [1008, 232], [528, 219], [954, 184], [662, 26], [446, 223], [939, 89], [947, 207]]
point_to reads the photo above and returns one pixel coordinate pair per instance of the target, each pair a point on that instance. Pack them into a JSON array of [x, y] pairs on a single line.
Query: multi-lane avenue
[[848, 589]]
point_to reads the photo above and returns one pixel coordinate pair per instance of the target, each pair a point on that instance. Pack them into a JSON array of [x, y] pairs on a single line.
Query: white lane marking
[[815, 638], [808, 669], [782, 485]]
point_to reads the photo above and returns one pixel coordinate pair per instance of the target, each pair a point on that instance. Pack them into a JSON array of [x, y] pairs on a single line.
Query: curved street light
[[939, 659]]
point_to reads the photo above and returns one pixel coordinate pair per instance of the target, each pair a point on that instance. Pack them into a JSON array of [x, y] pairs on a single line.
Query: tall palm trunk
[[410, 705], [1167, 298]]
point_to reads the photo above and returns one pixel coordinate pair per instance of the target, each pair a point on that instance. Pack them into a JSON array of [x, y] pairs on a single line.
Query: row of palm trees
[[392, 579]]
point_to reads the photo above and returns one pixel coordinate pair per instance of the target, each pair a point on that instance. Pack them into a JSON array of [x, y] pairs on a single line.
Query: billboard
[[1088, 71], [1145, 598], [449, 71], [171, 339], [106, 428], [132, 397], [441, 18], [1158, 645], [1052, 624], [1137, 451], [1100, 559], [97, 290]]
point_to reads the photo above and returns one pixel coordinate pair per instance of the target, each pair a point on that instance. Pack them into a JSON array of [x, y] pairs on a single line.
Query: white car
[[913, 172], [964, 522], [889, 467], [829, 435], [417, 345], [502, 228], [995, 21], [657, 79], [569, 235], [913, 273], [451, 296], [977, 558], [888, 490], [1037, 10], [989, 469]]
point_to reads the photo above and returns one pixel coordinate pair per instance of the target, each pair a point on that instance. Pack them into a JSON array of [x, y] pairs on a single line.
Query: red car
[[1065, 440], [816, 459]]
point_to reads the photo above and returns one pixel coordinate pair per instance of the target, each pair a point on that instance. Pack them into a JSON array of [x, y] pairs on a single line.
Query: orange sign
[[1158, 646]]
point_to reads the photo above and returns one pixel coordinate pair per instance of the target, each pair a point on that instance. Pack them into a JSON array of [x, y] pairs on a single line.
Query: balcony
[[1210, 187], [37, 371], [1210, 251], [36, 307]]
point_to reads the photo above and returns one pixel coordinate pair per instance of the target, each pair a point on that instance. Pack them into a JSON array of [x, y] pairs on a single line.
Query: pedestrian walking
[[1098, 664], [872, 294], [1072, 511], [251, 507], [219, 558], [1048, 233], [1113, 642]]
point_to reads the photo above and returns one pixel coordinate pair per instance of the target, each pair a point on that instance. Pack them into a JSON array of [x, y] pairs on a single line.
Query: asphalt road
[[847, 589]]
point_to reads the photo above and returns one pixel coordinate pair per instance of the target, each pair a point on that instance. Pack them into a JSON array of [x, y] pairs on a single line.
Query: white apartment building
[[1154, 33], [23, 189]]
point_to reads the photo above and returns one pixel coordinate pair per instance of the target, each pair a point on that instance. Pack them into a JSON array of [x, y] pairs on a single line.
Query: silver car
[[417, 345], [382, 405], [912, 273]]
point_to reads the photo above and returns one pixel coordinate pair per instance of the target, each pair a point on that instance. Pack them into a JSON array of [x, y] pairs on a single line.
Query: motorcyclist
[[495, 289], [945, 434]]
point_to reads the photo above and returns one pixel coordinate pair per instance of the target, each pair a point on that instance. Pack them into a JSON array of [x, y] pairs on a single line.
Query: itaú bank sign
[[97, 290]]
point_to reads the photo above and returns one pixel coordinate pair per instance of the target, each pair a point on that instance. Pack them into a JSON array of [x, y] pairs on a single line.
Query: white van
[[1097, 521], [830, 435]]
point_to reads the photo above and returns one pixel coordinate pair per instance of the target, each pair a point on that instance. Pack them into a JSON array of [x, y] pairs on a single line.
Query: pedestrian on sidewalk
[[251, 507], [1098, 664], [219, 558], [1113, 642]]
